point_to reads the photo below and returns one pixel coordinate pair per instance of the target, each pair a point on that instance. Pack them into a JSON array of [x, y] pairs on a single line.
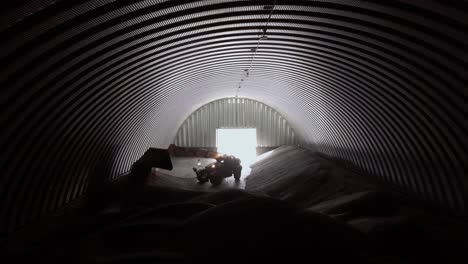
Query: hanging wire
[[262, 37]]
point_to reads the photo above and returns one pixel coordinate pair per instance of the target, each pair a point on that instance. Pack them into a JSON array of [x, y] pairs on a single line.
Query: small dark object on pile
[[224, 167]]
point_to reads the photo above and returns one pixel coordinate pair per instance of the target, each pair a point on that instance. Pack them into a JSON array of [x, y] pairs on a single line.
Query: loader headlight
[[222, 161], [199, 163], [212, 166]]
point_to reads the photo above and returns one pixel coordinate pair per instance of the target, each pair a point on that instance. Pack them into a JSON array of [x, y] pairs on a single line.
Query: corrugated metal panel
[[199, 129], [378, 83]]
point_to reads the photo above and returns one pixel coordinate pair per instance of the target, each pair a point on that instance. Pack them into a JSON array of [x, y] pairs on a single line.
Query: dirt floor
[[295, 206]]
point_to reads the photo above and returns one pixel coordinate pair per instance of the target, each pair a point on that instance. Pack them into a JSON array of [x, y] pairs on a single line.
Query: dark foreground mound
[[298, 207], [261, 228], [397, 227]]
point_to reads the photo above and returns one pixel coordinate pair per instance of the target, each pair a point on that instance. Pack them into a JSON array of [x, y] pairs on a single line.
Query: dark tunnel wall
[[88, 86]]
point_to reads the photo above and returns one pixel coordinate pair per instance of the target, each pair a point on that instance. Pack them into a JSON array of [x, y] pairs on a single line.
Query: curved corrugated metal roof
[[381, 83]]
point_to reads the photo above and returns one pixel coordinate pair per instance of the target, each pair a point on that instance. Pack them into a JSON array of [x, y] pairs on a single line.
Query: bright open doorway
[[240, 142]]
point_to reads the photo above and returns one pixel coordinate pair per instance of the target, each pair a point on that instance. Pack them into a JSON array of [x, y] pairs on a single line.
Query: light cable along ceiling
[[88, 86]]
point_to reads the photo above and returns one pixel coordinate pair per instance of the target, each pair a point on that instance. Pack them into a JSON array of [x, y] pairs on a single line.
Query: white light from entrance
[[240, 142]]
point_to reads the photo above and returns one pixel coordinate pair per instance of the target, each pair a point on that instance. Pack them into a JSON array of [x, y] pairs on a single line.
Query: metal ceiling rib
[[381, 84]]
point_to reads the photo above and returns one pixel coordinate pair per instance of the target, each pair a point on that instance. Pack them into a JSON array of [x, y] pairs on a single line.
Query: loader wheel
[[216, 179], [202, 177], [237, 173]]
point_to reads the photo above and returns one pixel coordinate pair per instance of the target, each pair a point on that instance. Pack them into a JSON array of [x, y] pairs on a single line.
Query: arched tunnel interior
[[348, 93]]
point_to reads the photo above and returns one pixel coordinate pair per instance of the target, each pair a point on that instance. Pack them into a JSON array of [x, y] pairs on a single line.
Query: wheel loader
[[224, 167]]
